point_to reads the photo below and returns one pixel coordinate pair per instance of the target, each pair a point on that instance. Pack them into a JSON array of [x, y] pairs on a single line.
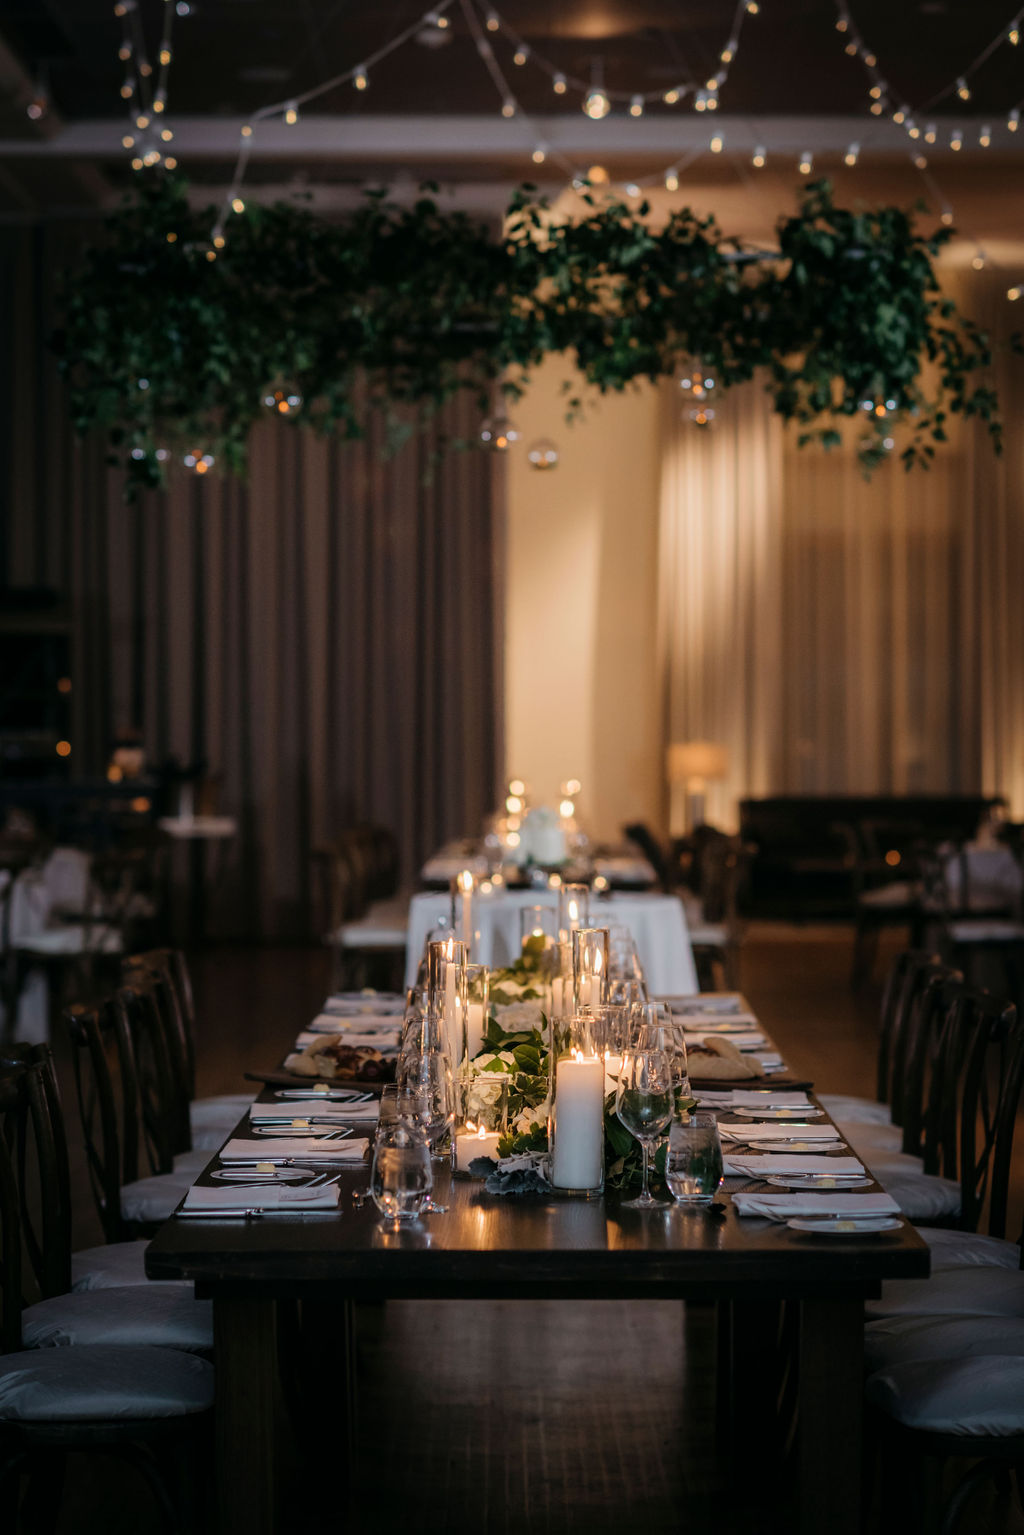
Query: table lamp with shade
[[690, 765]]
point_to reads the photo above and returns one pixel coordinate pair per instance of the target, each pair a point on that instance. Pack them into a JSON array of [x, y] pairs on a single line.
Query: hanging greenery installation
[[174, 346]]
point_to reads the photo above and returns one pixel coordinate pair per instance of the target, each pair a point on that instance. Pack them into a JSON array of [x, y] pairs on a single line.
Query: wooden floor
[[486, 1418]]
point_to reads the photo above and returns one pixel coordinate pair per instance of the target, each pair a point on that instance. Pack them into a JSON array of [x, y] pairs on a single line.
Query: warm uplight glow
[[893, 858], [63, 748], [513, 804], [114, 773], [63, 684], [566, 809], [140, 805]]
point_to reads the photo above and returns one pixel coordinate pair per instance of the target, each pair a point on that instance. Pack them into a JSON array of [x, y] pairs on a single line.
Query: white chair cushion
[[855, 1111], [980, 1397], [898, 1340], [155, 1199], [960, 1249], [157, 1315], [73, 1385], [967, 1291], [868, 1139], [110, 1267], [385, 926], [982, 930], [75, 938], [213, 1119], [920, 1196], [708, 935]]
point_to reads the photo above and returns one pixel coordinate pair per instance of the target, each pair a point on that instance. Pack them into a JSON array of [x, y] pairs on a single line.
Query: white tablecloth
[[656, 922]]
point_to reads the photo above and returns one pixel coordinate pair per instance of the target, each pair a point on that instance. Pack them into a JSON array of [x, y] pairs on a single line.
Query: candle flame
[[466, 881], [480, 1134], [470, 1124]]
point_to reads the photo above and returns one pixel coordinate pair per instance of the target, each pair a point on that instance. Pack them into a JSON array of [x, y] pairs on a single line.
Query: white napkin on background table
[[740, 1098], [268, 1196], [305, 1148], [354, 1023], [791, 1131], [748, 1041], [343, 1003], [777, 1163], [781, 1207], [310, 1108], [376, 1041]]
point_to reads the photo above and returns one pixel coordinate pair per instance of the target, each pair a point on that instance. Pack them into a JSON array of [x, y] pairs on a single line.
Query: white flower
[[517, 1017], [528, 1117]]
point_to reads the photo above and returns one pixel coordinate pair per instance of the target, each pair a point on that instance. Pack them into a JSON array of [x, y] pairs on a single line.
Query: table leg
[[831, 1392], [247, 1415]]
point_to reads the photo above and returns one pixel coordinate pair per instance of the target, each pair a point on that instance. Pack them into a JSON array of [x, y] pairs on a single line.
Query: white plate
[[844, 1225], [819, 1181], [243, 1175], [821, 1147], [769, 1114]]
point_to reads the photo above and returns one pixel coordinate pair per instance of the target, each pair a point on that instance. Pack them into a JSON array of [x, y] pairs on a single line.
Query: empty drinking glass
[[693, 1165], [644, 1102], [401, 1177]]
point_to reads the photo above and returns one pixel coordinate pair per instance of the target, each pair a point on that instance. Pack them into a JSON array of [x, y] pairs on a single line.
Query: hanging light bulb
[[164, 57], [946, 217], [700, 101], [361, 78], [913, 130], [728, 53], [1013, 121], [760, 157], [869, 59], [1014, 293], [237, 205], [900, 116], [1013, 35], [540, 154], [717, 144], [558, 85], [963, 90], [291, 113], [985, 136], [921, 162], [671, 181], [498, 433], [492, 23], [542, 454], [636, 106], [978, 260], [521, 55], [598, 175], [282, 398], [198, 461], [852, 154], [508, 107], [671, 96], [596, 103], [956, 139], [806, 163]]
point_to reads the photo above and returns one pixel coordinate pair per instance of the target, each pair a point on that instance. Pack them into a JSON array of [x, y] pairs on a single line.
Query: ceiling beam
[[341, 139]]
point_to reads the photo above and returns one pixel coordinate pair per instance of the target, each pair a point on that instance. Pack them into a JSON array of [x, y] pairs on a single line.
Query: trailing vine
[[169, 344]]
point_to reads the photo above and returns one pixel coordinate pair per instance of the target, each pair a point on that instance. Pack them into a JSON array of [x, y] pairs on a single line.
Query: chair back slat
[[106, 1090], [10, 1254], [992, 1087], [917, 1055], [908, 976], [157, 1080], [31, 1127], [169, 966]]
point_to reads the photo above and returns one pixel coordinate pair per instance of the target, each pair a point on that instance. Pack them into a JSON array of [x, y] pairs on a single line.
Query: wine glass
[[658, 1029], [644, 1102], [401, 1177]]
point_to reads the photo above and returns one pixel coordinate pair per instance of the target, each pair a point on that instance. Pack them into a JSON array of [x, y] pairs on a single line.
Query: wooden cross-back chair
[[168, 967], [137, 1402]]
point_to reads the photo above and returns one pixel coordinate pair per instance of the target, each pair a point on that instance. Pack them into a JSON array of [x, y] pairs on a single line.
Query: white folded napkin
[[770, 1060], [793, 1131], [376, 1002], [268, 1196], [305, 1148], [781, 1207], [746, 1041], [355, 1023], [776, 1163], [308, 1108], [741, 1098], [376, 1041]]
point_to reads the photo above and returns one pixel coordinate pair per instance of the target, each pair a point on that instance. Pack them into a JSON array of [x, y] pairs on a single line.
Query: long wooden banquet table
[[532, 1248]]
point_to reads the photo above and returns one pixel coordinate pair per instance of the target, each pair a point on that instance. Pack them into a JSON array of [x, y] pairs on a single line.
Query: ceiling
[[432, 109]]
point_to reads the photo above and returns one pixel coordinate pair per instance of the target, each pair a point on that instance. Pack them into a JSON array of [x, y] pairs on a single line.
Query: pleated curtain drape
[[324, 635], [838, 634]]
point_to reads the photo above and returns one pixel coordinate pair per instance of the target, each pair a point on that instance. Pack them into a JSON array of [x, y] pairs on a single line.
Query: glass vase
[[589, 966], [448, 993], [573, 910], [576, 1112]]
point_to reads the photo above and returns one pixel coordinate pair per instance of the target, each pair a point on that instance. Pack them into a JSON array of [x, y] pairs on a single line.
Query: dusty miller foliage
[[405, 306]]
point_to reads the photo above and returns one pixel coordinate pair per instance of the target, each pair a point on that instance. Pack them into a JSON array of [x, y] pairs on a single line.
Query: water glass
[[693, 1165], [644, 1102], [401, 1177]]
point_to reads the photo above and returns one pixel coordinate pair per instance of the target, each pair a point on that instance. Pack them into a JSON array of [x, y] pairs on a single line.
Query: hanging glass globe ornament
[[701, 415], [698, 382], [198, 461], [282, 399], [499, 433], [543, 454]]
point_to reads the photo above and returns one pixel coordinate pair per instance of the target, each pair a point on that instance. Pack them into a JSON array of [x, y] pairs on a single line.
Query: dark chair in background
[[364, 919]]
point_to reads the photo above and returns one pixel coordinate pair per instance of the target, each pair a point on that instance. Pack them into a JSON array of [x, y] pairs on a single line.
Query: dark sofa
[[812, 850]]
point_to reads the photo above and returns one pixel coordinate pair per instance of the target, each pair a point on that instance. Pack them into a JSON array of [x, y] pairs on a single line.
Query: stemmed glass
[[644, 1102], [426, 1088]]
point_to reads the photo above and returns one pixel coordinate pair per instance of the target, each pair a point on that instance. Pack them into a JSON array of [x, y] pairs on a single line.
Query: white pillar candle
[[612, 1068], [465, 904], [560, 997], [578, 1123], [471, 1143], [475, 1028]]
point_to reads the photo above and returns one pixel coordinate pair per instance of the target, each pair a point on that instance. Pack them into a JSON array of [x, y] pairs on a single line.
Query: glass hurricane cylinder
[[573, 909], [589, 966], [484, 1120], [463, 892], [537, 926], [576, 1113], [447, 991], [478, 1007], [560, 959]]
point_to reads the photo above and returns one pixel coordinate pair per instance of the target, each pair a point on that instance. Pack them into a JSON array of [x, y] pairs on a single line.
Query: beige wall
[[581, 689]]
